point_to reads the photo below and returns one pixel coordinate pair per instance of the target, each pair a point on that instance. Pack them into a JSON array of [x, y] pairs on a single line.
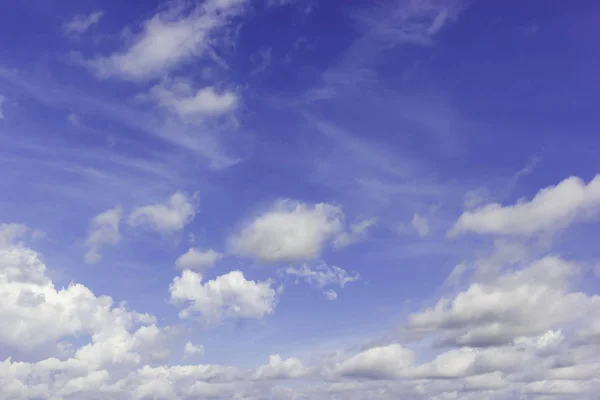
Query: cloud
[[172, 216], [261, 60], [179, 97], [330, 294], [278, 368], [10, 233], [524, 302], [168, 39], [2, 100], [103, 231], [289, 231], [191, 350], [386, 362], [81, 23], [198, 260], [74, 119], [227, 296], [552, 209], [406, 21], [357, 232], [321, 275]]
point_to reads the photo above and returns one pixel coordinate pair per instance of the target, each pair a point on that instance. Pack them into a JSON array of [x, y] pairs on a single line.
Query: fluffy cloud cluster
[[165, 218], [229, 295], [552, 209], [295, 231]]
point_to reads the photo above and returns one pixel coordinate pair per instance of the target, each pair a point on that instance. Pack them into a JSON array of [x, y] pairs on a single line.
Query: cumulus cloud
[[172, 216], [289, 231], [321, 275], [385, 362], [330, 294], [81, 22], [278, 368], [197, 259], [192, 350], [552, 209], [524, 302], [103, 232], [168, 39], [227, 296], [181, 98]]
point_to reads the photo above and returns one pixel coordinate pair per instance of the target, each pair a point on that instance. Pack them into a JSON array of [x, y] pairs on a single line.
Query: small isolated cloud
[[356, 232], [227, 296], [197, 259], [289, 231], [81, 22], [321, 275], [552, 209], [168, 39], [2, 100], [330, 294], [179, 97], [74, 119], [103, 232], [170, 217], [191, 350], [419, 225], [260, 60]]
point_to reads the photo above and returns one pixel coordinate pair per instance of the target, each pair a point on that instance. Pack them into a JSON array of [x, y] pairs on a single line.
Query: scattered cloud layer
[[197, 259]]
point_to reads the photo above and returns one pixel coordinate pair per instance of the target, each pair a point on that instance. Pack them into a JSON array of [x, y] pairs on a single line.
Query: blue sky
[[289, 199]]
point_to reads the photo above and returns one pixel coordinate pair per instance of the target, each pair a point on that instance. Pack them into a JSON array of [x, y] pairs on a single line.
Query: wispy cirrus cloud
[[80, 23]]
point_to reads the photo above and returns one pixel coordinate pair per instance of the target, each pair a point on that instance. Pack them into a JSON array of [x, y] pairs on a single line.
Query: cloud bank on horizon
[[299, 199]]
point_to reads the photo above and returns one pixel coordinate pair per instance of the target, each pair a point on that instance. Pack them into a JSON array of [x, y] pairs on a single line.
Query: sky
[[299, 199]]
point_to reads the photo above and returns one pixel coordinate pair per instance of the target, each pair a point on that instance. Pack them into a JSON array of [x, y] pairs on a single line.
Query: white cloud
[[552, 209], [278, 368], [172, 216], [2, 100], [192, 350], [179, 97], [227, 296], [321, 275], [415, 22], [386, 362], [74, 119], [81, 23], [261, 60], [357, 232], [524, 302], [290, 231], [420, 224], [9, 233], [103, 231], [197, 259], [330, 294], [168, 39]]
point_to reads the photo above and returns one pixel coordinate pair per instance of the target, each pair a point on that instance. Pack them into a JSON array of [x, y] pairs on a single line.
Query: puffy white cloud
[[168, 39], [321, 275], [357, 232], [552, 209], [182, 99], [290, 231], [9, 233], [524, 302], [384, 362], [192, 350], [172, 216], [330, 294], [81, 23], [103, 231], [227, 296], [278, 368], [197, 259]]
